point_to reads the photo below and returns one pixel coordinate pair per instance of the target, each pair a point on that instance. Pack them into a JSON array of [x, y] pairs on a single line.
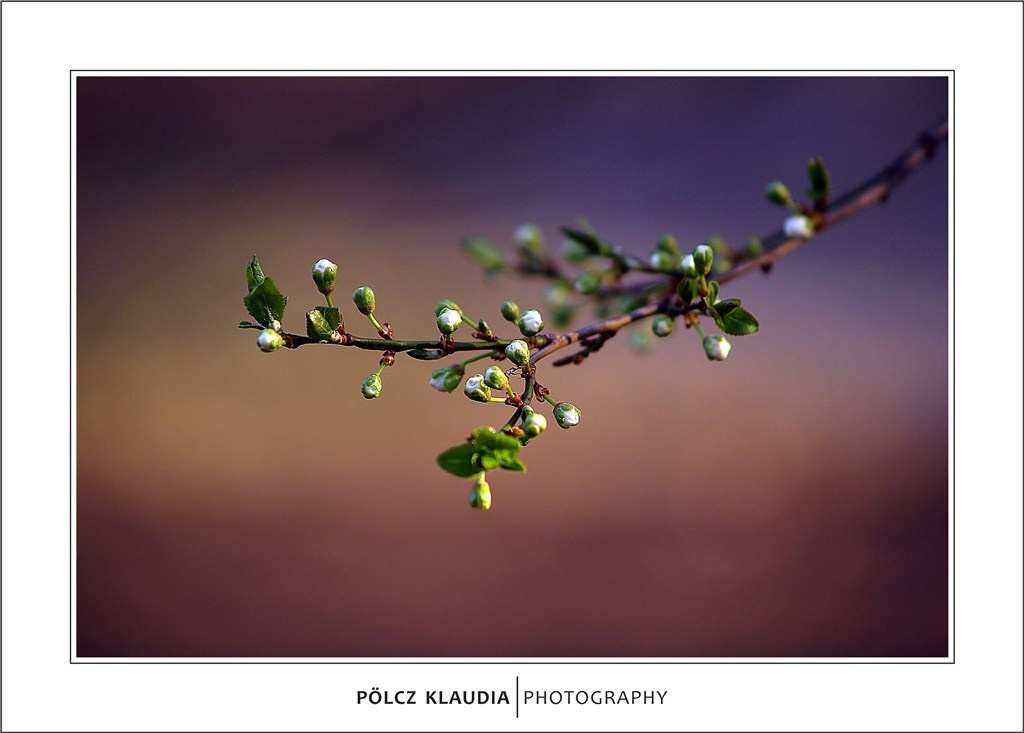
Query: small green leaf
[[733, 319], [333, 316], [248, 324], [510, 463], [485, 254], [265, 302], [712, 292], [592, 243], [317, 326], [254, 273], [487, 461], [459, 461], [491, 439]]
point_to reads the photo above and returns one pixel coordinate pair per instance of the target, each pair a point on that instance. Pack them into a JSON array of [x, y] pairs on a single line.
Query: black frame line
[[951, 308]]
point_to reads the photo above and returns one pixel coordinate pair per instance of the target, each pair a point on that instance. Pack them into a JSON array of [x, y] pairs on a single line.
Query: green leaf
[[248, 324], [265, 302], [254, 273], [593, 244], [491, 439], [733, 319], [459, 461], [485, 254], [317, 326], [510, 463], [333, 316], [487, 461], [712, 292]]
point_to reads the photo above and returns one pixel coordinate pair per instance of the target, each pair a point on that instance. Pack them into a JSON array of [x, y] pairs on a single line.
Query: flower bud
[[556, 295], [476, 389], [688, 267], [446, 379], [325, 273], [269, 340], [798, 226], [668, 243], [275, 325], [445, 303], [662, 326], [531, 323], [533, 423], [448, 321], [529, 237], [365, 300], [518, 352], [496, 378], [566, 415], [818, 176], [510, 311], [371, 387], [587, 283], [480, 496], [703, 255], [663, 261], [778, 194], [716, 347]]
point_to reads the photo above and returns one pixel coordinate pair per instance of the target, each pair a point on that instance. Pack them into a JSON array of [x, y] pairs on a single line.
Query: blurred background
[[791, 501]]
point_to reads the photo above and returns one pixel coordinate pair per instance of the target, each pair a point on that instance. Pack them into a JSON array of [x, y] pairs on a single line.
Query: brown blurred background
[[791, 501]]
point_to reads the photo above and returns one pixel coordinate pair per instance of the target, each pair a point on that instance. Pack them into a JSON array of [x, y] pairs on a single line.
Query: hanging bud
[[269, 340], [531, 323], [510, 311], [703, 256], [716, 347], [662, 326], [365, 300], [275, 325], [778, 194], [529, 237], [443, 304], [495, 378], [688, 267], [662, 261], [586, 283], [640, 340], [446, 379], [798, 226], [325, 273], [371, 387], [566, 415], [476, 390], [518, 352], [480, 496], [533, 423], [448, 321]]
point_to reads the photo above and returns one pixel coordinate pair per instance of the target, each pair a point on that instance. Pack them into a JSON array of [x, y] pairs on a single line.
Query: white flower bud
[[566, 415], [275, 325], [688, 267], [703, 256], [533, 423], [325, 273], [531, 323], [661, 260], [518, 352], [446, 379], [716, 347], [371, 387], [529, 237], [269, 340], [798, 226], [448, 321], [662, 326], [495, 378], [476, 389]]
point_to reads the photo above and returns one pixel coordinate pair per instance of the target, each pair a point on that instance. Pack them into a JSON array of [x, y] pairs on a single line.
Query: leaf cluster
[[486, 450]]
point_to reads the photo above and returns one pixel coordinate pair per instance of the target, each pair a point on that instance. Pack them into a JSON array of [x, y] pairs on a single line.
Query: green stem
[[381, 369], [374, 322], [547, 398], [699, 330], [471, 359], [330, 303], [527, 396]]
